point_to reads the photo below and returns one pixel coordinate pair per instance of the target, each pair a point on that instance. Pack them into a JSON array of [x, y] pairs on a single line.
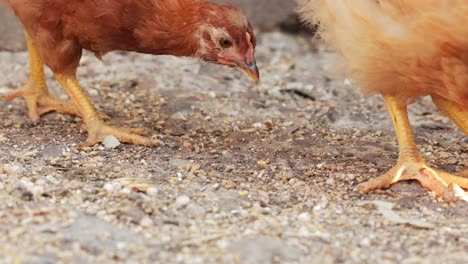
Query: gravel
[[247, 174]]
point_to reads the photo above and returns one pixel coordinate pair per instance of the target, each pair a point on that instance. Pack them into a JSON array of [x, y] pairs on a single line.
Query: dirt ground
[[247, 174]]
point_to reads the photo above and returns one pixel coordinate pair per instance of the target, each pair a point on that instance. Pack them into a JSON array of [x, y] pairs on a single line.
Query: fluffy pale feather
[[404, 48]]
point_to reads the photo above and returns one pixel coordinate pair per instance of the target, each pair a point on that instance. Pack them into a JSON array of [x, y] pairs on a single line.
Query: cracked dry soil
[[248, 174]]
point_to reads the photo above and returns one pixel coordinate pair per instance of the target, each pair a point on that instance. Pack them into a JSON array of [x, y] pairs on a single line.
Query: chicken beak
[[251, 70]]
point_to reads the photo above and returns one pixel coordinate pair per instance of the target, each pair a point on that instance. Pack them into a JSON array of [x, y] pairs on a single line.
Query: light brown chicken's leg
[[456, 113], [453, 111], [97, 129], [35, 91], [411, 165]]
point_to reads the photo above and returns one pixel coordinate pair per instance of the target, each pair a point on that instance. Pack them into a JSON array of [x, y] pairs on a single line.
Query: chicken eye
[[225, 43]]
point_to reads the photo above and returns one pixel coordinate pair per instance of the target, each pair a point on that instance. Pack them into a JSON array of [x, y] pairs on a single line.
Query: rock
[[111, 142], [182, 201]]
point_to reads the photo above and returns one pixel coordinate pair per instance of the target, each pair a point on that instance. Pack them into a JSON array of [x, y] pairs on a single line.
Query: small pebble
[[38, 190], [111, 142], [125, 191], [330, 181], [182, 201], [109, 187], [152, 192], [243, 193], [366, 242], [146, 222], [304, 217]]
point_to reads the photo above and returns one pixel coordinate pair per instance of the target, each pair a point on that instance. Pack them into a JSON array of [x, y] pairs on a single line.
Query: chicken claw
[[444, 185], [40, 103], [98, 130]]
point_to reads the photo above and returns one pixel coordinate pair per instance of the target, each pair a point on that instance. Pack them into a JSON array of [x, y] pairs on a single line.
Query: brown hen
[[57, 32], [404, 49]]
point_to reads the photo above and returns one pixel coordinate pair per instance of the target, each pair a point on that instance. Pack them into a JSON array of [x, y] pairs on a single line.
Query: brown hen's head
[[225, 36]]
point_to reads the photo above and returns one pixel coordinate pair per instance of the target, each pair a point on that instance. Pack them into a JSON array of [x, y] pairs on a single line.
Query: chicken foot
[[97, 129], [35, 91], [411, 166]]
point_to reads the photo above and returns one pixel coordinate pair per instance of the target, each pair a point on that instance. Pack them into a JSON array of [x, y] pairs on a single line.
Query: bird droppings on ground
[[259, 174]]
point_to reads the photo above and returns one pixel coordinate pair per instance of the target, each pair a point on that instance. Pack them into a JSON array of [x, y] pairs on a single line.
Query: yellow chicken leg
[[35, 91], [97, 129], [453, 111], [411, 165]]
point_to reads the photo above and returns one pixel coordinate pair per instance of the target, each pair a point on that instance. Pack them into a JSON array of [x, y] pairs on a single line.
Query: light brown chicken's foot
[[39, 102], [443, 184], [97, 129], [411, 165], [35, 91], [131, 130]]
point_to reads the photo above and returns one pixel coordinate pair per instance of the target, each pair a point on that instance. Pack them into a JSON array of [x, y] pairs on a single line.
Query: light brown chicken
[[404, 49]]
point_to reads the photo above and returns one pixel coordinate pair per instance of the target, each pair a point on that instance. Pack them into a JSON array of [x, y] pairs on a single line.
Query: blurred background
[[265, 15]]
